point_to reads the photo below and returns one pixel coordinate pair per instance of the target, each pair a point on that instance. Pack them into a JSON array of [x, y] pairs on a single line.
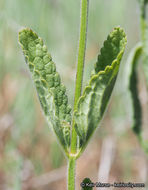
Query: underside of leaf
[[51, 93], [145, 49], [92, 104], [133, 87], [132, 63]]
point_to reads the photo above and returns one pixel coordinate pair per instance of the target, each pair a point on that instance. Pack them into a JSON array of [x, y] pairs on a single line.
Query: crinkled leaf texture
[[92, 104], [133, 87], [50, 90]]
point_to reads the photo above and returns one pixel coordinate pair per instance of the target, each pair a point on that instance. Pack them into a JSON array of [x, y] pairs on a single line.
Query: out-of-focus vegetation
[[30, 157]]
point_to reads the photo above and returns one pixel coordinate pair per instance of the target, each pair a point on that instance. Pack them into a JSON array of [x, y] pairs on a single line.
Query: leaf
[[144, 34], [133, 87], [92, 104], [145, 49], [50, 90], [87, 184], [112, 50]]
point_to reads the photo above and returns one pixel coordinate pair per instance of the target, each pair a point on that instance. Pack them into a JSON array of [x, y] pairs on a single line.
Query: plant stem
[[80, 65], [71, 173], [78, 89], [143, 20]]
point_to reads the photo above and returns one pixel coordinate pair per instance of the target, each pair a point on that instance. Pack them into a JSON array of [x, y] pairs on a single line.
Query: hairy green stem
[[71, 173], [80, 65], [78, 89]]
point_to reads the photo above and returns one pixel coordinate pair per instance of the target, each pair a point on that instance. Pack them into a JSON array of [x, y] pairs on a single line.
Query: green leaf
[[144, 34], [92, 104], [145, 49], [112, 50], [133, 87], [50, 90], [86, 184]]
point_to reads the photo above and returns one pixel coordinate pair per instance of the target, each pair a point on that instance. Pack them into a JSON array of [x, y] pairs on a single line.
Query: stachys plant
[[139, 51], [74, 129]]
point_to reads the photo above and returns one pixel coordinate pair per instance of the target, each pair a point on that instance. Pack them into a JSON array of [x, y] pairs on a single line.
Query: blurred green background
[[30, 158]]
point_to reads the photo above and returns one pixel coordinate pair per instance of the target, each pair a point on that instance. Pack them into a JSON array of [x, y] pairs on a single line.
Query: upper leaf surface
[[52, 94], [113, 47], [93, 102]]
